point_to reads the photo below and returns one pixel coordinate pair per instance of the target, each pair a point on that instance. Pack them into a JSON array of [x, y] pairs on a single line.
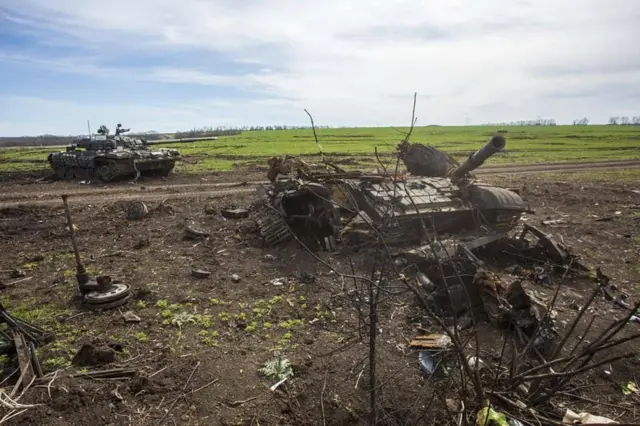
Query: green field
[[354, 147]]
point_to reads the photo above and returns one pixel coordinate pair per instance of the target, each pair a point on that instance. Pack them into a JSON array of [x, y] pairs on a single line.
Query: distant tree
[[581, 121], [636, 120], [624, 120], [613, 120]]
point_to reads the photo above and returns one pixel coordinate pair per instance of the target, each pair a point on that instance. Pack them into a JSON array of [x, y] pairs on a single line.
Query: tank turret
[[475, 160]]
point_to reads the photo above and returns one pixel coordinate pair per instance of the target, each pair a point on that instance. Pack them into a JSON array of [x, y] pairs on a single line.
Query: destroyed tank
[[109, 157], [438, 197]]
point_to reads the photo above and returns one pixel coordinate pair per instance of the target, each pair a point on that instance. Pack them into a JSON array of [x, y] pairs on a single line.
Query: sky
[[168, 65]]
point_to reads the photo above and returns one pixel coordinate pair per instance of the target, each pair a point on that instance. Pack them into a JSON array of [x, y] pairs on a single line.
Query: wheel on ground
[[104, 173]]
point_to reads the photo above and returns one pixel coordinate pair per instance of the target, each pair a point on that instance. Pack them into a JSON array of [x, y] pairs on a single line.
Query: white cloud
[[359, 63]]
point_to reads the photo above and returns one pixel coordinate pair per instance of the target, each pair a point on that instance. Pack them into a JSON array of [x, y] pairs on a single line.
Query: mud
[[222, 371]]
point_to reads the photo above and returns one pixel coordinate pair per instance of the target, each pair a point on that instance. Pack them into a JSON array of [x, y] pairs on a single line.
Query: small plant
[[267, 325], [29, 266], [163, 304], [4, 360], [223, 316], [166, 313], [183, 318], [277, 369], [58, 362], [289, 324], [141, 337], [251, 327], [141, 304], [217, 302], [204, 320]]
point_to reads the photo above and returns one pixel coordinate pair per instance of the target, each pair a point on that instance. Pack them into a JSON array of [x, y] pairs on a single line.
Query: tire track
[[101, 195]]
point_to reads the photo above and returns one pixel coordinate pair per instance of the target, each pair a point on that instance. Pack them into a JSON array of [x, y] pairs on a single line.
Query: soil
[[201, 367]]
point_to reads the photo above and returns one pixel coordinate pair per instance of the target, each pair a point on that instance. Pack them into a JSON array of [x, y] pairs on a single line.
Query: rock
[[209, 209], [17, 273], [90, 355], [269, 257], [130, 317], [116, 346], [36, 258], [235, 278], [235, 213]]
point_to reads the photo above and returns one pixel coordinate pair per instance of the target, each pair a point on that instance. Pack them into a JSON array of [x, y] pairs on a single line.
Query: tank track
[[272, 226]]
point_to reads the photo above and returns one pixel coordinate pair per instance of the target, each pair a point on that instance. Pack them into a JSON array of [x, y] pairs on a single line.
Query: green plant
[[183, 318], [251, 327], [292, 323], [277, 369], [162, 303], [141, 304], [141, 337], [58, 362]]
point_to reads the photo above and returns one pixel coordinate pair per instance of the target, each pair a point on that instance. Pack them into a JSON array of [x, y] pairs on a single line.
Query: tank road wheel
[[104, 173]]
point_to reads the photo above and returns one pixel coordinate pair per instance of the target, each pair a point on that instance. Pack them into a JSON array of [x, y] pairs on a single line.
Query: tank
[[110, 157], [448, 202]]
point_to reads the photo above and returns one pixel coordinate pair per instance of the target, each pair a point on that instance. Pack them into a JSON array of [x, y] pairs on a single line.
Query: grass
[[525, 145]]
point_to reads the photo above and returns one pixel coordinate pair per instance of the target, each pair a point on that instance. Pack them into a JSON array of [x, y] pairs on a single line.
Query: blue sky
[[169, 65]]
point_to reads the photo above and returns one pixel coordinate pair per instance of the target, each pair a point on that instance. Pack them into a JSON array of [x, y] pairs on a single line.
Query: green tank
[[110, 157]]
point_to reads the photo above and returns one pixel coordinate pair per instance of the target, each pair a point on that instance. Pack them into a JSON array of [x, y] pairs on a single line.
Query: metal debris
[[235, 213], [431, 341], [137, 210], [98, 293]]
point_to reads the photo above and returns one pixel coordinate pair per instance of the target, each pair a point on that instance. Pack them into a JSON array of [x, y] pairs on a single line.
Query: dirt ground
[[201, 341]]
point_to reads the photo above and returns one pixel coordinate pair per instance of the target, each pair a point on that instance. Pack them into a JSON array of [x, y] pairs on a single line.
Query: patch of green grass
[[529, 144]]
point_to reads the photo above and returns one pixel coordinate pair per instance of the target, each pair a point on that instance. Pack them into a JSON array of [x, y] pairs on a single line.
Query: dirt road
[[49, 193]]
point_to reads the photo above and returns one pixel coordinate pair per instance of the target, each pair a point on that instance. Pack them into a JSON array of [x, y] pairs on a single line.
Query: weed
[[162, 303], [290, 324], [141, 304], [277, 369], [141, 336], [58, 362]]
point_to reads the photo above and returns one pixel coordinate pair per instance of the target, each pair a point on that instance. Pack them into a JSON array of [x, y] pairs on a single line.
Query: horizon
[[168, 65]]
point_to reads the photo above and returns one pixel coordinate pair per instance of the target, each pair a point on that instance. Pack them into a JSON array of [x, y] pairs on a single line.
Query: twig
[[190, 376], [11, 414], [51, 382], [313, 127], [159, 371], [182, 394], [203, 386], [240, 402], [324, 385]]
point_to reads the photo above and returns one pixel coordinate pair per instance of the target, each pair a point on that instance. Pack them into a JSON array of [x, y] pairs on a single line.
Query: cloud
[[348, 62]]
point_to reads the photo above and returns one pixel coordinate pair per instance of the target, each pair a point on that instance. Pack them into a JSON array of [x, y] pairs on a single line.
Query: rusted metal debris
[[440, 201], [99, 292], [431, 341]]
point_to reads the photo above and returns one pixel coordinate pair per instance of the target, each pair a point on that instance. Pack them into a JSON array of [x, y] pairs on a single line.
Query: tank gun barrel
[[475, 160]]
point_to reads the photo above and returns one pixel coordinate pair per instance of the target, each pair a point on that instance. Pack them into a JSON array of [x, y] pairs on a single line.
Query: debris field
[[327, 297]]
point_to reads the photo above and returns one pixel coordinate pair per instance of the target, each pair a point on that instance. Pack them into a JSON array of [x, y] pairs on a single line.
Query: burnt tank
[[439, 198], [110, 157]]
